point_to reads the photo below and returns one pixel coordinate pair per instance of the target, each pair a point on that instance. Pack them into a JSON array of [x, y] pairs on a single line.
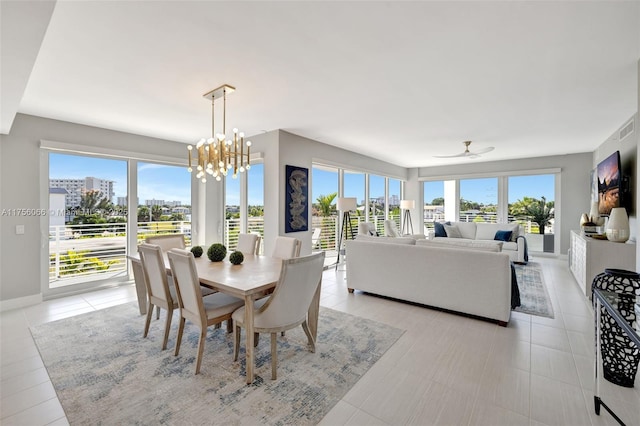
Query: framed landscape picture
[[296, 218]]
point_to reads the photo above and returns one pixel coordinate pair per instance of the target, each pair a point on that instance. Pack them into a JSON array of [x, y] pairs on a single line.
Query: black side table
[[608, 301], [620, 355]]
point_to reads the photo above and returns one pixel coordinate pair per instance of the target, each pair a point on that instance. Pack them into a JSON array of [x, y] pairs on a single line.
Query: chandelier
[[217, 156]]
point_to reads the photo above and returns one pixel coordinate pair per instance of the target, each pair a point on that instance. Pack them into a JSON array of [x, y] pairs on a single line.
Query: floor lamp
[[345, 205], [407, 205]]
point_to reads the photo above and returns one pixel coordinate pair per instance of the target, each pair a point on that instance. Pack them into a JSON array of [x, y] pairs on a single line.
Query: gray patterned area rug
[[104, 372], [534, 296]]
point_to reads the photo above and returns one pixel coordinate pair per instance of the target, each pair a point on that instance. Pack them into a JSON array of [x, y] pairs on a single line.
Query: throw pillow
[[439, 229], [452, 231], [503, 236]]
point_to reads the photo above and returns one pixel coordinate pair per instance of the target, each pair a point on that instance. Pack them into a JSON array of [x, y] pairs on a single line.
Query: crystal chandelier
[[218, 155]]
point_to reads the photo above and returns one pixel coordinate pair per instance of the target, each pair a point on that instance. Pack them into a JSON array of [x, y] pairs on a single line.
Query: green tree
[[325, 208], [439, 201], [156, 213], [93, 208], [143, 214], [540, 212], [537, 210]]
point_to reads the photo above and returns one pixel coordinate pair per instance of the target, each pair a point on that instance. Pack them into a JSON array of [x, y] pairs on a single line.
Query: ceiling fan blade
[[463, 154], [483, 151], [467, 153]]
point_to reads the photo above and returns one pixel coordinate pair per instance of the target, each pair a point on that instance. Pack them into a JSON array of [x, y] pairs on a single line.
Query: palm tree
[[324, 204], [540, 212]]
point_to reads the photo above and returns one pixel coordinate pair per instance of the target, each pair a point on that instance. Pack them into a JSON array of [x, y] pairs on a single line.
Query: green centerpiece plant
[[236, 257], [216, 252], [197, 251]]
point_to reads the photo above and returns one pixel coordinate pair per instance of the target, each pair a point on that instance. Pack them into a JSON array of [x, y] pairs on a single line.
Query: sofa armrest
[[523, 255]]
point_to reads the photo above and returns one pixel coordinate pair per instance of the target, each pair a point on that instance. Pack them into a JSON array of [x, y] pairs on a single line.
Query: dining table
[[256, 276]]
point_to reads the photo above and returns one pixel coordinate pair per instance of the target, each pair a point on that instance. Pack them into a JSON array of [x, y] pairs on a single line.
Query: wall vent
[[626, 130]]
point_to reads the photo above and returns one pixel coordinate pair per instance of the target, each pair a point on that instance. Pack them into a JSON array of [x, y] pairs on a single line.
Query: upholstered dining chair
[[159, 293], [391, 229], [286, 247], [288, 305], [202, 311], [248, 243], [167, 242]]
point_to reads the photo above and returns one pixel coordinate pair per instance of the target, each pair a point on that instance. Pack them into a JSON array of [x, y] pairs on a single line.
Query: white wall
[[574, 197]]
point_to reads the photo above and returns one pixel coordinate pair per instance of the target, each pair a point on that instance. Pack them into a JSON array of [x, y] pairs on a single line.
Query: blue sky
[[172, 183]]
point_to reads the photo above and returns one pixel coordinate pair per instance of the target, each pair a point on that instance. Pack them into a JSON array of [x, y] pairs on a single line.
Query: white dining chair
[[202, 311], [248, 243], [288, 305], [167, 242], [286, 247], [159, 293]]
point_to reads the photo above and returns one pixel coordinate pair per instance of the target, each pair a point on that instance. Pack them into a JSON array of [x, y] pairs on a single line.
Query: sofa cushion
[[439, 229], [510, 246], [503, 235], [392, 240], [462, 243], [452, 231], [487, 231], [468, 230]]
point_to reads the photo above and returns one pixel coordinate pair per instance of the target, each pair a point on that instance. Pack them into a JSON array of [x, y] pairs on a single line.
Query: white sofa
[[515, 247], [471, 281]]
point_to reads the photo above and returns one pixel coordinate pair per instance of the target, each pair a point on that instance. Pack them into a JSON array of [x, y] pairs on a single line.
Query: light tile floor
[[444, 370]]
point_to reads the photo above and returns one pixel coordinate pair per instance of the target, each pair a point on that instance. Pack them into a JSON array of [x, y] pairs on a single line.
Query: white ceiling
[[398, 81]]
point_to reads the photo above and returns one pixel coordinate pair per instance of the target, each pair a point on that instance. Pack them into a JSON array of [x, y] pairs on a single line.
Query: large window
[[164, 200], [531, 202], [324, 192], [87, 220], [255, 200], [478, 200], [433, 202]]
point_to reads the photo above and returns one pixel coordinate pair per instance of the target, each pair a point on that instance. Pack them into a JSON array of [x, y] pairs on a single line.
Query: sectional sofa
[[473, 280], [511, 234]]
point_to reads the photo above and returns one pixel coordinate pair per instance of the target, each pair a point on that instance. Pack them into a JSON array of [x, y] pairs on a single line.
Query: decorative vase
[[584, 219], [618, 225], [594, 215]]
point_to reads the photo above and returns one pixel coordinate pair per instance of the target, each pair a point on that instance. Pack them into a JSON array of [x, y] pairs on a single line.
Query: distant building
[[172, 204], [154, 202], [76, 188], [57, 207], [122, 201]]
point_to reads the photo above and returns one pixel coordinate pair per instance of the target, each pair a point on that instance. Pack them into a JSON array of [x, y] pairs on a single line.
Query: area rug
[[534, 296], [104, 372]]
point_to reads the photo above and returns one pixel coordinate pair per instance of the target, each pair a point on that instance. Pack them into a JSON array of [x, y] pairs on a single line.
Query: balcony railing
[[88, 252], [98, 251]]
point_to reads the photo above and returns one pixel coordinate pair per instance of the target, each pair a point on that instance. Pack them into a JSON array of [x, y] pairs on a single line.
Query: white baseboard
[[20, 302]]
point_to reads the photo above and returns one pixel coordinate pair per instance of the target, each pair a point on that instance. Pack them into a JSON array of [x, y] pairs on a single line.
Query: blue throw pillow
[[439, 228], [503, 236]]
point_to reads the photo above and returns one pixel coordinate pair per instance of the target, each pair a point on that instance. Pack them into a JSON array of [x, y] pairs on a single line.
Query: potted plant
[[541, 212]]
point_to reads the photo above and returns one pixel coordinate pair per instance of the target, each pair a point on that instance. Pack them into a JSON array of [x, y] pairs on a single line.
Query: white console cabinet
[[589, 257]]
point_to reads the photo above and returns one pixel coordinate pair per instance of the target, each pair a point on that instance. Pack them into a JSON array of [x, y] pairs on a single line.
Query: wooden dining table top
[[254, 275]]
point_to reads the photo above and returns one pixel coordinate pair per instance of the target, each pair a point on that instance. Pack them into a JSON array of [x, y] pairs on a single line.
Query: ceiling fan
[[467, 153]]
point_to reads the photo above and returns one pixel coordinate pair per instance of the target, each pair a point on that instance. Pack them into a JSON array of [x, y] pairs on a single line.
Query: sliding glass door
[[87, 223]]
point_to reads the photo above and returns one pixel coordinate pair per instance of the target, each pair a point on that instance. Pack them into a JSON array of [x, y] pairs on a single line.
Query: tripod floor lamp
[[407, 205], [345, 205]]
